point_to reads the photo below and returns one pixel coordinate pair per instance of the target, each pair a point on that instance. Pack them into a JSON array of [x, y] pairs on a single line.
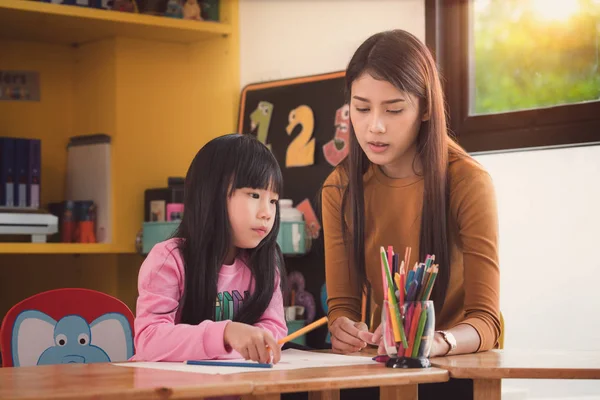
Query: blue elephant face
[[72, 337], [38, 339]]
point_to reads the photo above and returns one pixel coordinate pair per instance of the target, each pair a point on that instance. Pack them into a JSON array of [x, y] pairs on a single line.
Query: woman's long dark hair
[[400, 58], [224, 164]]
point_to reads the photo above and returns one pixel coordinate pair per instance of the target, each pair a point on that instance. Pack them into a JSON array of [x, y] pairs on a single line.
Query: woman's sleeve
[[474, 200], [343, 293]]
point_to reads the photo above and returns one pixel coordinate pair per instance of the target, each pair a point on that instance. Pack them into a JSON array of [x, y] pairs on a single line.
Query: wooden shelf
[[58, 248], [66, 24]]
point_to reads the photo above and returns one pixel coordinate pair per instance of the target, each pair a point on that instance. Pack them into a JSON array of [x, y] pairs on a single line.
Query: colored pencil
[[363, 308], [387, 320], [304, 330], [428, 332], [227, 364], [398, 280], [419, 334], [430, 289], [395, 312], [388, 294], [413, 329], [409, 279]]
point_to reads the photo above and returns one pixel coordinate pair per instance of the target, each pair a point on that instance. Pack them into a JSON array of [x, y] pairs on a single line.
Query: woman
[[406, 183]]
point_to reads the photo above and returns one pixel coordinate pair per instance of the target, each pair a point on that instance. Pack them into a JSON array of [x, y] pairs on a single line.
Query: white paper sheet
[[290, 359]]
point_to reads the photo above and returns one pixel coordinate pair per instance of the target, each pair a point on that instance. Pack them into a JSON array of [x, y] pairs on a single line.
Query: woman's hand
[[348, 336], [251, 342], [439, 347], [378, 340]]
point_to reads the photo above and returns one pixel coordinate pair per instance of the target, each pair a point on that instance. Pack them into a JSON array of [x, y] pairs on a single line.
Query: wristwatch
[[449, 338]]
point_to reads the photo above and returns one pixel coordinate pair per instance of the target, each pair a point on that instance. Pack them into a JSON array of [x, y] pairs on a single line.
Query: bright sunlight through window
[[527, 54]]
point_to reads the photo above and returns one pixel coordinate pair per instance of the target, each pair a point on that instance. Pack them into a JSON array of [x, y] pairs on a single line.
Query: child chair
[[66, 326]]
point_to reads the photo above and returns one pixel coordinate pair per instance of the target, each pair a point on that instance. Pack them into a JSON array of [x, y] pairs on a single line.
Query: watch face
[[449, 338]]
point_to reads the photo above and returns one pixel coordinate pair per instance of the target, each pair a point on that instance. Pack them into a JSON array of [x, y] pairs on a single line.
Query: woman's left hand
[[439, 347], [378, 340]]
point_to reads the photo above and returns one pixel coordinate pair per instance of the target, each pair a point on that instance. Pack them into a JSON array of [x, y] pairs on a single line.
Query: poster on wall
[[19, 85], [305, 123]]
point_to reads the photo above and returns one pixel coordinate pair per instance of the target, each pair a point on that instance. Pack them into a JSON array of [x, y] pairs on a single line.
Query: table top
[[523, 364], [86, 381], [317, 379]]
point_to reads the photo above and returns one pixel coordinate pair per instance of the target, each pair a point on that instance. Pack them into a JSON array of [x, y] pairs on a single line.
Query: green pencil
[[393, 299], [419, 334]]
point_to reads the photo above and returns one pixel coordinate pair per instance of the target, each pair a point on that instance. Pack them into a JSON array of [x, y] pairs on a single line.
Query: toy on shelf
[[86, 225], [300, 305], [191, 10], [77, 220], [174, 9], [210, 10], [297, 296], [292, 237], [125, 6]]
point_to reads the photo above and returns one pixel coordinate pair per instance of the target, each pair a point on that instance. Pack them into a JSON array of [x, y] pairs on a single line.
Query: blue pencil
[[228, 364]]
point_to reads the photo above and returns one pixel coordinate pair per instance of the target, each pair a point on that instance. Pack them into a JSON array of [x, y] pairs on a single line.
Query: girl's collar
[[238, 262], [233, 268]]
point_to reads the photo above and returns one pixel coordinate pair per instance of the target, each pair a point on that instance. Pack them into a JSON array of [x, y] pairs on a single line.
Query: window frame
[[447, 36]]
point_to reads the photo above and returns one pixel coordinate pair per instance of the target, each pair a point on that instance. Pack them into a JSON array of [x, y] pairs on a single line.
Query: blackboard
[[272, 106]]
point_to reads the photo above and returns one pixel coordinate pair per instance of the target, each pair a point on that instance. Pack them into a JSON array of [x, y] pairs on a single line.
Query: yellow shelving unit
[[159, 87], [46, 22], [56, 248]]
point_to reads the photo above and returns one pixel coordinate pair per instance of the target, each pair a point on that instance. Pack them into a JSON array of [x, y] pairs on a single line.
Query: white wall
[[549, 215], [549, 201], [320, 39]]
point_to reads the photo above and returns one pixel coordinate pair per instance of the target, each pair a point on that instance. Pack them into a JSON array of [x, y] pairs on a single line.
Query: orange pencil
[[363, 308], [398, 279], [304, 330]]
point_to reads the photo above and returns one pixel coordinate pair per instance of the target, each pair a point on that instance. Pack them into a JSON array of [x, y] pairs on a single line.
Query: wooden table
[[325, 383], [487, 369], [106, 381]]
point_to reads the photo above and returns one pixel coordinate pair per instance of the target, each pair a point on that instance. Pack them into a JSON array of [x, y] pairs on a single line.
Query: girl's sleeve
[[273, 319], [157, 337]]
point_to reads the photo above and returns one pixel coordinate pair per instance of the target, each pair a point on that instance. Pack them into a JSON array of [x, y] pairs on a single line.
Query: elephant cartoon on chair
[[38, 339]]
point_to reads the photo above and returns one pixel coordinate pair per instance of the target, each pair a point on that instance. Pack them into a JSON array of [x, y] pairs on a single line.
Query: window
[[518, 73]]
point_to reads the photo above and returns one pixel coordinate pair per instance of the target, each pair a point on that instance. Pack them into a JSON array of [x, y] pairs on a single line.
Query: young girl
[[406, 183], [213, 291]]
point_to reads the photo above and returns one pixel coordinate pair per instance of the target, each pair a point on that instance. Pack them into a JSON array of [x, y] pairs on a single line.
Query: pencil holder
[[410, 346]]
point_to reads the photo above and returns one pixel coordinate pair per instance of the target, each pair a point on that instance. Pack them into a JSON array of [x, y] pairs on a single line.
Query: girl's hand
[[252, 343], [348, 336]]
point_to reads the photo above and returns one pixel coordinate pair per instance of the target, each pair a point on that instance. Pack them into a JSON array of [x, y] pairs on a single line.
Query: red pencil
[[413, 329]]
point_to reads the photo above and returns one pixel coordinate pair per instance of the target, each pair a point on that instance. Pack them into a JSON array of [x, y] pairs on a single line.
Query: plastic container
[[293, 326], [291, 237], [155, 232]]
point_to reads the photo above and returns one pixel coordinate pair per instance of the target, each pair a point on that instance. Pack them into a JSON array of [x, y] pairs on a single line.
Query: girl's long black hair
[[224, 164]]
